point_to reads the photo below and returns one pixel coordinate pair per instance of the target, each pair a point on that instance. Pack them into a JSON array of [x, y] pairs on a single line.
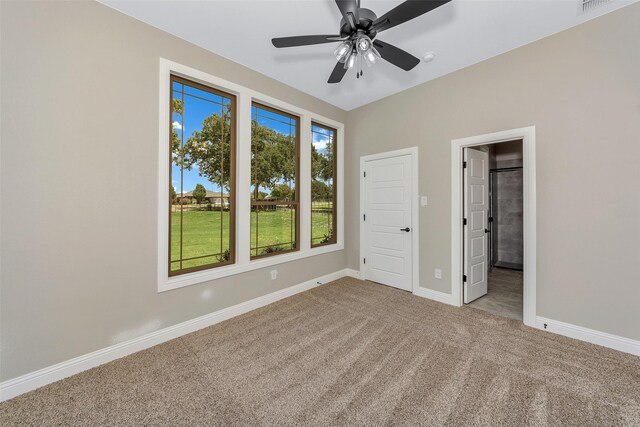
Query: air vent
[[587, 6]]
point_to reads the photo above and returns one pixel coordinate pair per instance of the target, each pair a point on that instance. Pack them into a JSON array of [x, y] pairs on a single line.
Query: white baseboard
[[626, 345], [33, 380], [435, 295], [421, 292], [354, 273]]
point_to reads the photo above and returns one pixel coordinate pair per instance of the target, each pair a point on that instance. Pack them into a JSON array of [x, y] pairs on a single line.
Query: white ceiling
[[461, 33]]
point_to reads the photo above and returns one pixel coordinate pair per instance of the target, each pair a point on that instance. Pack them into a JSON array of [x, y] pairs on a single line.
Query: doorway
[[475, 247], [494, 173], [389, 220]]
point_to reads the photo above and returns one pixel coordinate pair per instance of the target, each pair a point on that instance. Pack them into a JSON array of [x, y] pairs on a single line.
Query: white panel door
[[476, 206], [388, 221]]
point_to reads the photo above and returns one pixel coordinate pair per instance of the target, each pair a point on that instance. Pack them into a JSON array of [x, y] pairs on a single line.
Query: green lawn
[[202, 237], [321, 224]]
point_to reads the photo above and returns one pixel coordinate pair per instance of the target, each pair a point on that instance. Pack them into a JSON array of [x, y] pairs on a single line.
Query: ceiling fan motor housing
[[367, 17]]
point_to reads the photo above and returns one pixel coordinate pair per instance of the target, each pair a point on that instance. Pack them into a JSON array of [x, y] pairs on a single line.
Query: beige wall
[[80, 132], [581, 89]]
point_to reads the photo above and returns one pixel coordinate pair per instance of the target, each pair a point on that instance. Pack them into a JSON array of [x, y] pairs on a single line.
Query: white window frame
[[244, 96]]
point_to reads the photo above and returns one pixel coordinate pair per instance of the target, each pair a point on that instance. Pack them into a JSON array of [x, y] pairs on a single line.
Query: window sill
[[168, 283]]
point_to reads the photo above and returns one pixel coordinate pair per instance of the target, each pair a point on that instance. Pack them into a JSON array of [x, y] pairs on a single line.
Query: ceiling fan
[[358, 30]]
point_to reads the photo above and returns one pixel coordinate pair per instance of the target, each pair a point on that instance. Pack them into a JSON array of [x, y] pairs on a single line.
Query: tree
[[199, 193], [320, 191], [282, 192], [172, 194], [322, 163], [210, 149], [177, 106], [273, 158]]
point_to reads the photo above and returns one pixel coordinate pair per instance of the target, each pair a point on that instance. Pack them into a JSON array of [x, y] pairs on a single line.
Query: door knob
[[407, 229], [487, 231]]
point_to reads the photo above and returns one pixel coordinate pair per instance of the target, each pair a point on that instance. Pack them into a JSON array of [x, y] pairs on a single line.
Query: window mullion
[[339, 174], [305, 182], [243, 179]]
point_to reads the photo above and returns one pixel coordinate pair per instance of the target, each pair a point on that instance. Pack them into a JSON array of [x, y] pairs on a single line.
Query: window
[[216, 137], [323, 185], [274, 181], [201, 178]]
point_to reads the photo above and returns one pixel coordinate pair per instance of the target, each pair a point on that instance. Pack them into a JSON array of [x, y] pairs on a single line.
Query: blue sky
[[320, 137], [196, 110]]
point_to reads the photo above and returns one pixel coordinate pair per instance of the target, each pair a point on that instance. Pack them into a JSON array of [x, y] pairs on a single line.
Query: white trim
[[626, 345], [244, 96], [415, 221], [528, 136], [415, 217], [205, 275], [354, 273], [31, 381], [438, 296], [305, 190], [243, 204]]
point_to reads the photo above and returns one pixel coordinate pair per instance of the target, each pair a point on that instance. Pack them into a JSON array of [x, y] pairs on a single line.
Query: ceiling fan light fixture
[[370, 58], [363, 44], [351, 61], [342, 51], [358, 28]]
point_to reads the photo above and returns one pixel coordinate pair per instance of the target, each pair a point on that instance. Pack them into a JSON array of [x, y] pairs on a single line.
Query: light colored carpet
[[350, 353]]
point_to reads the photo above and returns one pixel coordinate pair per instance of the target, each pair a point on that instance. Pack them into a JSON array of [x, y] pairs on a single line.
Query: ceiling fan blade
[[395, 55], [405, 12], [338, 73], [349, 10], [304, 40]]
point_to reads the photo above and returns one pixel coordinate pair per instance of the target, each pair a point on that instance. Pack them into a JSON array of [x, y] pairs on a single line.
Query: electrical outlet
[[274, 274], [438, 273], [423, 201]]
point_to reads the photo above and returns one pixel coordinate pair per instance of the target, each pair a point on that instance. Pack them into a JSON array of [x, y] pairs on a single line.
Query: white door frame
[[528, 137], [415, 227]]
